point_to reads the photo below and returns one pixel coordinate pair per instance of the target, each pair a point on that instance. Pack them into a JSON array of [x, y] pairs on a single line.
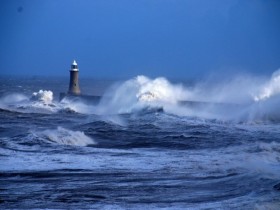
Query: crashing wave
[[39, 102], [138, 93], [271, 88], [159, 89], [45, 96], [67, 137], [42, 101]]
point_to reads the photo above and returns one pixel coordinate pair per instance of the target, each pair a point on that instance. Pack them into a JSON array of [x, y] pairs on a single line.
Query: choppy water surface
[[130, 152]]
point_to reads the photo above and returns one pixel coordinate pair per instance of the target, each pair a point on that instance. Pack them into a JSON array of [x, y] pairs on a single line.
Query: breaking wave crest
[[67, 137], [39, 102], [159, 89], [140, 92]]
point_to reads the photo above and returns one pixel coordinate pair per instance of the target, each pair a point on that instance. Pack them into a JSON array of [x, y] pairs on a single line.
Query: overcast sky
[[125, 38]]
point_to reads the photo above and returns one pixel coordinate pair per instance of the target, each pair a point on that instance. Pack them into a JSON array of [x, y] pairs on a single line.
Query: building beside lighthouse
[[74, 88]]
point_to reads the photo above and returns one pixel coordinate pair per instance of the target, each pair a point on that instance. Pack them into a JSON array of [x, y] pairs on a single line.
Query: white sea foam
[[45, 96], [159, 89], [67, 137], [139, 92], [42, 102]]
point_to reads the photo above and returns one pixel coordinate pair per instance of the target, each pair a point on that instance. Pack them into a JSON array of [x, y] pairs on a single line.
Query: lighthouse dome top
[[74, 66]]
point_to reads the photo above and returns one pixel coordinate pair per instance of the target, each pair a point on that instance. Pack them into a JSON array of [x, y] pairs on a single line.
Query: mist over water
[[149, 143], [241, 99]]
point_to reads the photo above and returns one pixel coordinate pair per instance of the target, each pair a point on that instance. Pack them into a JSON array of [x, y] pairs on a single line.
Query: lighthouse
[[74, 88], [74, 92]]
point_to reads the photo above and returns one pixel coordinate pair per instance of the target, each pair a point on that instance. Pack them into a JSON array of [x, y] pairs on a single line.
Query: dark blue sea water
[[138, 148]]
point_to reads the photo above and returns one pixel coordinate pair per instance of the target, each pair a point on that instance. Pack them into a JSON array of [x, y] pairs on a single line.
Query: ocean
[[139, 148]]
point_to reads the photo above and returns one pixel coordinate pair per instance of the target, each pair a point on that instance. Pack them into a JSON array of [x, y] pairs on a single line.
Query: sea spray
[[77, 106], [238, 89], [39, 102], [140, 92], [10, 101], [270, 88], [232, 99], [13, 98], [240, 98], [159, 89], [45, 96]]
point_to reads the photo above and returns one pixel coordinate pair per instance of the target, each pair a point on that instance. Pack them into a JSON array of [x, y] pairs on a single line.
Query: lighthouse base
[[87, 98]]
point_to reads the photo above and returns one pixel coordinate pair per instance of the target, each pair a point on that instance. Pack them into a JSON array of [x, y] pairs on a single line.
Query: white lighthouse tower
[[74, 88]]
